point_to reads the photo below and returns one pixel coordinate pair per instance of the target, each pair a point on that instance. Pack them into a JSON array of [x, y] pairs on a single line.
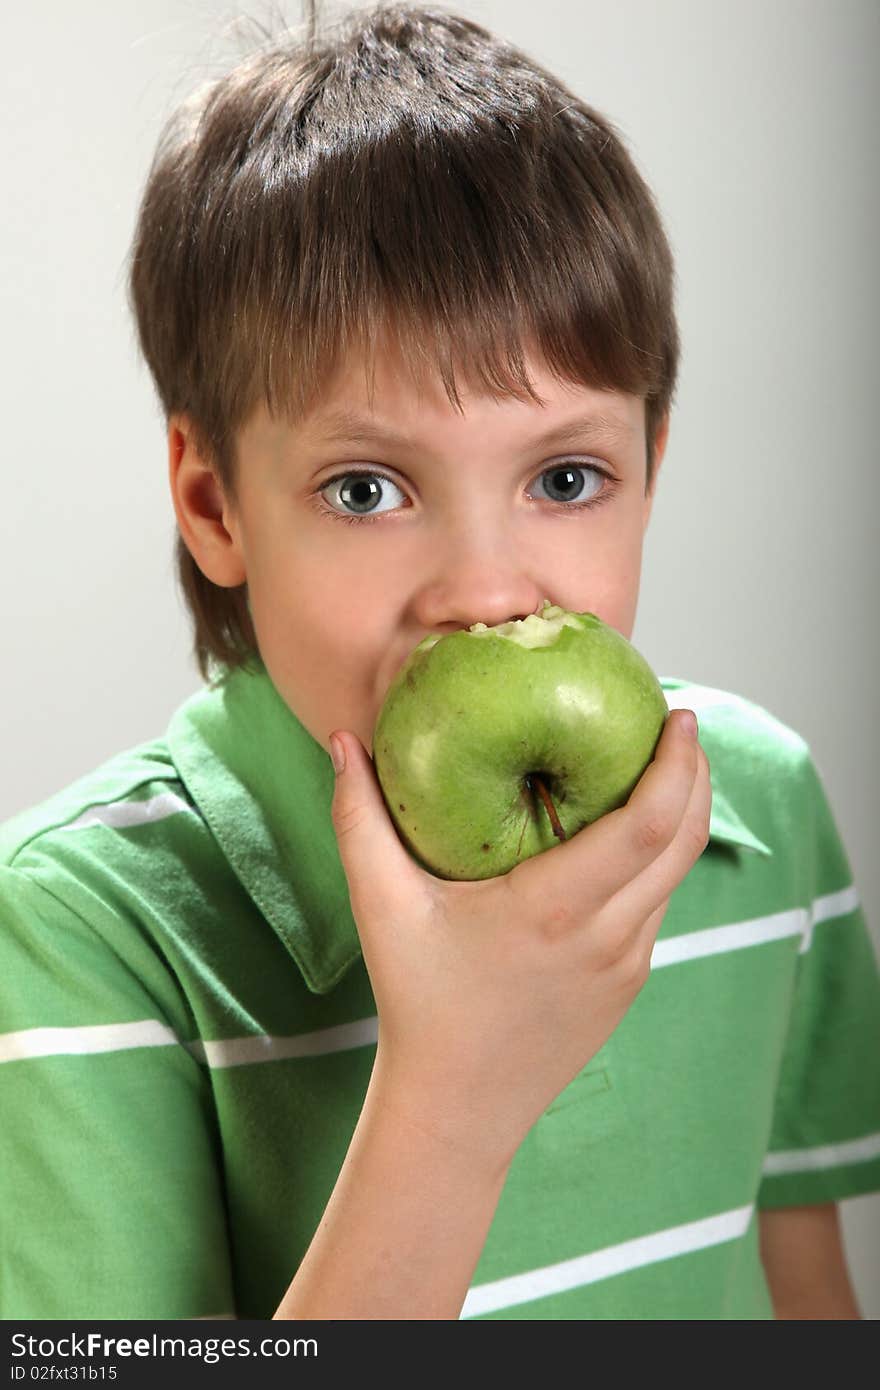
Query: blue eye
[[360, 491], [355, 496], [566, 480]]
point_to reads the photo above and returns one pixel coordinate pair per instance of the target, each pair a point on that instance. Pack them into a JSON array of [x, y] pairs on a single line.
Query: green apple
[[496, 743]]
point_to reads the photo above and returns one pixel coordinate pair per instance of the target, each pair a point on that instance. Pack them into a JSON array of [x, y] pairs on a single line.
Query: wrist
[[407, 1219], [434, 1115]]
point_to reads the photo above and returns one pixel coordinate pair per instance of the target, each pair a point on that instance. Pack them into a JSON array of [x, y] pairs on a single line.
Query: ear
[[207, 522], [659, 450]]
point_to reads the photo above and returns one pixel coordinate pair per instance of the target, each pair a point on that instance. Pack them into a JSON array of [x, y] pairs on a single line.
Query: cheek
[[606, 581], [318, 635]]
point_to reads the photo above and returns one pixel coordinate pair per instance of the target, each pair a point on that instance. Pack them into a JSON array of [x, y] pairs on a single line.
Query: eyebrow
[[347, 426]]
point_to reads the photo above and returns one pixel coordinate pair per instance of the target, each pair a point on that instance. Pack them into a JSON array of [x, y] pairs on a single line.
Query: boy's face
[[465, 518]]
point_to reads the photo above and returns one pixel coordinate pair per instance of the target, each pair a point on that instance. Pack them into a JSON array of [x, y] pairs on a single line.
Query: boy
[[256, 1061]]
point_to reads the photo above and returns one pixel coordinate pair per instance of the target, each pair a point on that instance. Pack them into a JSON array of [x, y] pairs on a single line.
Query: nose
[[471, 585]]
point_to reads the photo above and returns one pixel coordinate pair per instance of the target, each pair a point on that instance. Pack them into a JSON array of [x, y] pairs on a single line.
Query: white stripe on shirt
[[826, 909], [236, 1052], [99, 1037], [822, 1156], [603, 1264], [261, 1047], [712, 941], [798, 921], [122, 815]]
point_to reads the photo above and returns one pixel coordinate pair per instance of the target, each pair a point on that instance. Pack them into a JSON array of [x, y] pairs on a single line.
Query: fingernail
[[337, 753], [688, 721]]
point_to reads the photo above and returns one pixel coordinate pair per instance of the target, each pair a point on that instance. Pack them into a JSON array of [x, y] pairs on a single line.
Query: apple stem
[[548, 804]]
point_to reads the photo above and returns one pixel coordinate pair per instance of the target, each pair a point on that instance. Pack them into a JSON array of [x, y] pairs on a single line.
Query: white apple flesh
[[496, 743]]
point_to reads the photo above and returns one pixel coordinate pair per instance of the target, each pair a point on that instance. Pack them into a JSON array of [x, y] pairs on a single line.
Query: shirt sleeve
[[825, 1136], [111, 1194]]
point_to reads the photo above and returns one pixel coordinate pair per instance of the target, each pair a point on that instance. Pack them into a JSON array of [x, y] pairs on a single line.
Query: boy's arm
[[111, 1191], [404, 1227], [805, 1263]]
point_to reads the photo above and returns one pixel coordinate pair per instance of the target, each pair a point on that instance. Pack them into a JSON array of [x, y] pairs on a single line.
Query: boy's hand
[[493, 995]]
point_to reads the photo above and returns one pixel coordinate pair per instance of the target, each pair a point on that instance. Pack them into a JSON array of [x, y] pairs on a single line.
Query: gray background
[[757, 125]]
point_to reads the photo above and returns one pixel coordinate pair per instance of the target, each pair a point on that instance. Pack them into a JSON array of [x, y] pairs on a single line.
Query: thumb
[[376, 862]]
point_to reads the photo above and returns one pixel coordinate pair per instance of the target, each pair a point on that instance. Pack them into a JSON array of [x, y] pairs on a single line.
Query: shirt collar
[[726, 824], [265, 786]]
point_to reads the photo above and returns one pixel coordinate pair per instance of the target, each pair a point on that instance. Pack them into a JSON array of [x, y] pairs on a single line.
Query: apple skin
[[471, 716]]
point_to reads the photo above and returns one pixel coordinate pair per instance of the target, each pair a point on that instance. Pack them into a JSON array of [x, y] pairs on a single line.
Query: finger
[[378, 868], [652, 926], [659, 880], [604, 857]]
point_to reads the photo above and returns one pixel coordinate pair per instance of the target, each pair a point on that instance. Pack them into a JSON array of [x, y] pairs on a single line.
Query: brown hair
[[409, 173]]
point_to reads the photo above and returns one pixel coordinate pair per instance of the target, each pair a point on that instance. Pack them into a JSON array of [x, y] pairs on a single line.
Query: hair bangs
[[424, 244]]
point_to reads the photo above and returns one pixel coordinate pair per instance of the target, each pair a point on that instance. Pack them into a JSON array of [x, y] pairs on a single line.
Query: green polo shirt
[[187, 1032]]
